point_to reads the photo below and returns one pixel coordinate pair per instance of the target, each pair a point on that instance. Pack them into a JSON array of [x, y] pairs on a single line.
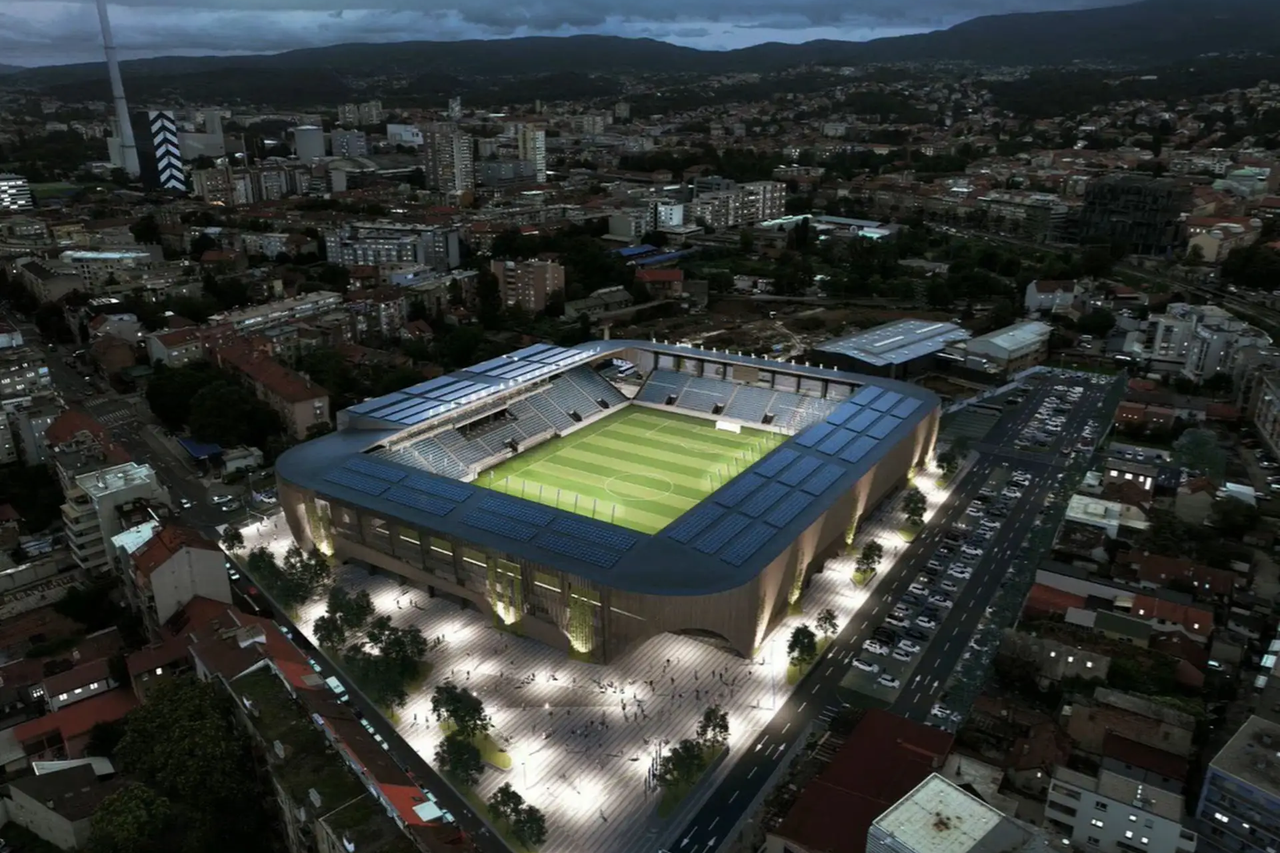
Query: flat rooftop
[[110, 480], [938, 817], [897, 342], [1122, 789], [1253, 755]]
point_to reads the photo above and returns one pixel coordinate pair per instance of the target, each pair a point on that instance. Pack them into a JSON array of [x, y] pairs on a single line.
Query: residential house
[[80, 683], [300, 402], [165, 566], [65, 732], [58, 806], [1157, 571], [1144, 763], [112, 355], [175, 348], [1112, 813], [1051, 297], [1091, 721]]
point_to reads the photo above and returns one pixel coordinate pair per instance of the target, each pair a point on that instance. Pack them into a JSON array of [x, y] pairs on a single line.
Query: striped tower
[[164, 141]]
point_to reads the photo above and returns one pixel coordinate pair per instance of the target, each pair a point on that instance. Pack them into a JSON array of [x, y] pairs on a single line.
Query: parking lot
[[965, 576]]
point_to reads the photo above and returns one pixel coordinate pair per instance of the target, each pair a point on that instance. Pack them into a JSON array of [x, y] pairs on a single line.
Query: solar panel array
[[438, 396], [736, 521]]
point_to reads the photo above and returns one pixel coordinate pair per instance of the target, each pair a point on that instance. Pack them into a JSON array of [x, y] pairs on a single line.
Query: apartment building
[[165, 565], [176, 348], [385, 242], [282, 311], [1239, 809], [1218, 236], [348, 143], [94, 268], [1198, 340], [23, 424], [97, 502], [448, 159], [529, 284], [382, 311], [763, 200], [1111, 813], [300, 402], [1142, 213], [531, 145], [404, 134], [23, 372], [15, 194]]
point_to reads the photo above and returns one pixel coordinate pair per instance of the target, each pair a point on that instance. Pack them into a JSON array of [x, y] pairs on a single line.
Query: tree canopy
[[1198, 450]]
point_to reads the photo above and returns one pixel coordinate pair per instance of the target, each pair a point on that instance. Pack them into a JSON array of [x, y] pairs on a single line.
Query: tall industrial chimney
[[128, 150]]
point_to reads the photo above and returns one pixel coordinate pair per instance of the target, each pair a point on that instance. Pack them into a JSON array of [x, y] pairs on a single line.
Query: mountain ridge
[[1147, 32]]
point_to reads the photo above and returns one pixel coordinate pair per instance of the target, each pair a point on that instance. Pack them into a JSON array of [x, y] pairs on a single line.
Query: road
[[819, 695]]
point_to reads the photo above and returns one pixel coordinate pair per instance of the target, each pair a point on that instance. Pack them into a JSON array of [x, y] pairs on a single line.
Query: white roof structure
[[938, 817], [1011, 341], [897, 342]]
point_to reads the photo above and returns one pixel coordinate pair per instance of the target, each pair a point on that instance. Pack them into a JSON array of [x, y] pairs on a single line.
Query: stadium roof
[[896, 343], [718, 545]]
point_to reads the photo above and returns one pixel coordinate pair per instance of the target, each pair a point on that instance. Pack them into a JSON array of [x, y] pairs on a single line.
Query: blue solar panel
[[885, 403], [588, 532], [375, 469], [814, 434], [417, 500], [858, 449], [426, 414], [405, 416], [694, 522], [744, 547], [756, 505], [593, 554], [906, 407], [396, 407], [447, 489], [884, 426], [790, 506], [499, 524], [797, 473], [422, 388], [458, 393], [358, 482], [835, 441], [529, 352], [866, 394], [773, 464], [519, 510], [737, 490], [490, 366], [379, 402], [821, 481], [862, 421], [842, 413], [721, 534]]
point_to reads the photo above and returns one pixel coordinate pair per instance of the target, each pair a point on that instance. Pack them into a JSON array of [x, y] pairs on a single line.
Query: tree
[[1002, 314], [870, 556], [105, 736], [229, 414], [530, 826], [380, 680], [803, 645], [1198, 450], [713, 728], [330, 633], [146, 229], [505, 802], [682, 765], [461, 708], [827, 622], [460, 758], [489, 299], [948, 462], [914, 505], [1234, 517], [1099, 322], [133, 819], [232, 538]]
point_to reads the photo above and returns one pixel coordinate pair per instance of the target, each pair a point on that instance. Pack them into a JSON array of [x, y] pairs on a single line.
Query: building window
[[159, 670], [1100, 806], [62, 697], [1220, 816], [1096, 823], [1128, 833], [94, 685], [78, 691], [1145, 840], [1093, 842]]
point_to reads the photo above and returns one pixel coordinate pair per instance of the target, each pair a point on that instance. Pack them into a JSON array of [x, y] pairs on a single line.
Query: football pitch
[[640, 468]]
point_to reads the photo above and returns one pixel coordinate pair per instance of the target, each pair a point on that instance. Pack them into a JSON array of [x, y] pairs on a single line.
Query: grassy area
[[910, 531], [53, 189], [861, 578], [672, 797], [490, 752], [795, 673], [639, 468]]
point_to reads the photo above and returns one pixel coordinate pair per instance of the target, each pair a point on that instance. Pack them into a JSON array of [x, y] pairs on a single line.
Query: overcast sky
[[46, 32]]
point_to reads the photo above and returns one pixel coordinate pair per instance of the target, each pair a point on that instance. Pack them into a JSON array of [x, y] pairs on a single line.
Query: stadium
[[592, 497]]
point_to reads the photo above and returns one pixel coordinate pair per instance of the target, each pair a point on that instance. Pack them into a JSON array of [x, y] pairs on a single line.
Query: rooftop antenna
[[128, 149]]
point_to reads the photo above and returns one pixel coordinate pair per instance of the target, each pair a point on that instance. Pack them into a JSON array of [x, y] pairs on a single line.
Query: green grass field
[[640, 468]]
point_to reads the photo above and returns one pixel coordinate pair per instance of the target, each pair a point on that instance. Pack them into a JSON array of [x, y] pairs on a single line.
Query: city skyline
[[55, 33]]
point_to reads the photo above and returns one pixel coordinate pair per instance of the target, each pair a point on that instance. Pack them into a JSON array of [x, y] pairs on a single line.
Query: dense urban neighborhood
[[798, 449]]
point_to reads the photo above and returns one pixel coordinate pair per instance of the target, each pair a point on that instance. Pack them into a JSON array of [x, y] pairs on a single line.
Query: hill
[[1150, 32], [10, 69]]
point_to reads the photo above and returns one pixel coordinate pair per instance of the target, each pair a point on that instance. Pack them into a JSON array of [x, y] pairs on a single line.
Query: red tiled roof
[[77, 676], [884, 758], [78, 718], [1046, 599], [166, 543], [179, 337], [1159, 569], [1053, 286], [70, 424], [1193, 619], [158, 655], [1199, 484], [1137, 754], [285, 383], [1221, 412]]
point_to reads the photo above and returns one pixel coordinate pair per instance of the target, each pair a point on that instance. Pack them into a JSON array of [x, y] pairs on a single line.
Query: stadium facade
[[395, 486]]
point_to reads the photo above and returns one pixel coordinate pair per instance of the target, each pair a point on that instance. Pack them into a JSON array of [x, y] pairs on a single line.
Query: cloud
[[60, 31]]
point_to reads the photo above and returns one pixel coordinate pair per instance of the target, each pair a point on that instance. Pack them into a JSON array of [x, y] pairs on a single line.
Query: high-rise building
[[1238, 802], [349, 115], [348, 143], [622, 111], [92, 514], [532, 145], [1140, 213], [371, 113], [529, 284], [449, 160], [15, 194], [308, 142], [455, 109], [404, 134], [169, 174]]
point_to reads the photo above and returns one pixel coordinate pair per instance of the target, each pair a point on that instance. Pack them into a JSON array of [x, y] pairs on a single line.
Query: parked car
[[888, 681], [866, 666]]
